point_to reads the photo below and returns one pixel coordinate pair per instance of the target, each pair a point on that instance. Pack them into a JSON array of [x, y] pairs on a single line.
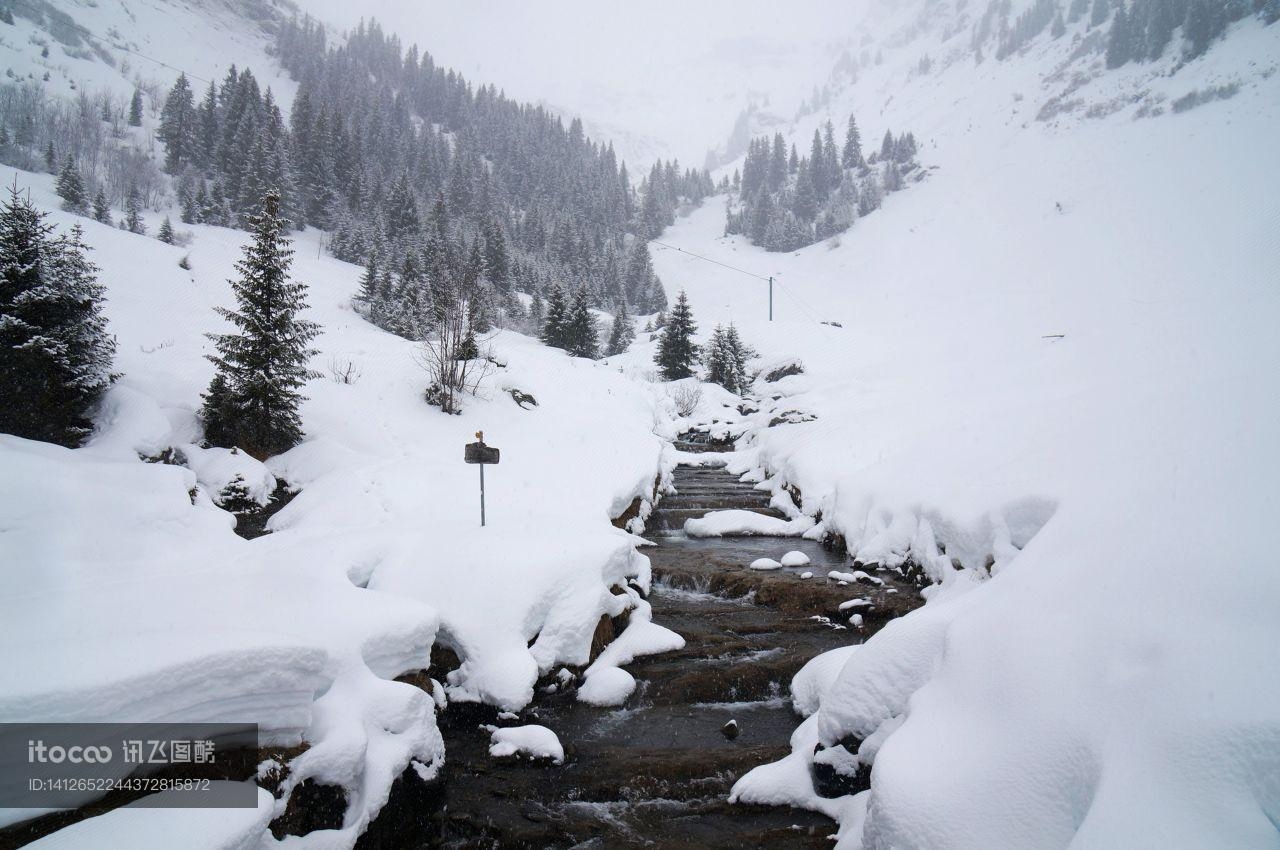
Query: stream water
[[657, 771]]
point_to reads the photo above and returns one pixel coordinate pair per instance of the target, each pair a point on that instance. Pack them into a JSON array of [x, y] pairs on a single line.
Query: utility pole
[[771, 298]]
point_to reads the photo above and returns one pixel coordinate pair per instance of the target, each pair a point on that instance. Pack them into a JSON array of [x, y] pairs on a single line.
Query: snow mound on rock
[[533, 741]]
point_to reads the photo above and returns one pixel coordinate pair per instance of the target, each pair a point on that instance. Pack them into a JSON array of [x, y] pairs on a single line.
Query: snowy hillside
[[1053, 388], [1040, 383], [132, 597], [118, 46]]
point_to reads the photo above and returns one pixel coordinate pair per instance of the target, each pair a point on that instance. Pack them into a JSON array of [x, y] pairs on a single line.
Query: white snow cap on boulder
[[533, 741]]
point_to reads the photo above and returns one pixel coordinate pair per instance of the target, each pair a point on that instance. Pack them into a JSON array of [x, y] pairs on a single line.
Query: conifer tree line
[[783, 201], [1139, 31], [420, 177], [55, 352]]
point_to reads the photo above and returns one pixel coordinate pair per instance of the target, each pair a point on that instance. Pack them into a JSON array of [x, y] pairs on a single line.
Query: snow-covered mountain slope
[[92, 45], [128, 601], [1056, 365], [936, 67]]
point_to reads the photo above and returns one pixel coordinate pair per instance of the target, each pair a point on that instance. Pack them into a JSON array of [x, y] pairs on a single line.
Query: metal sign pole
[[478, 452]]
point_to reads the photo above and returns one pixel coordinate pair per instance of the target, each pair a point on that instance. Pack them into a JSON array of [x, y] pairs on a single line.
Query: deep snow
[[128, 601], [1056, 366]]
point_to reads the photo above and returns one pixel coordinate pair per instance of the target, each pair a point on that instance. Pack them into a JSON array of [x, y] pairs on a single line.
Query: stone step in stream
[[699, 490]]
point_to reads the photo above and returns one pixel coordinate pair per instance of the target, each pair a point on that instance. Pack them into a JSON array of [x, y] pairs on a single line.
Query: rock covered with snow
[[795, 559], [746, 524], [532, 741]]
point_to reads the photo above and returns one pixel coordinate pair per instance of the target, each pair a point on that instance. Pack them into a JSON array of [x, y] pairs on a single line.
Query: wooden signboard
[[480, 453]]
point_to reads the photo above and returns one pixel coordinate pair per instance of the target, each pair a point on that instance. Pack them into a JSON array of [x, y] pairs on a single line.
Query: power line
[[709, 260], [806, 309]]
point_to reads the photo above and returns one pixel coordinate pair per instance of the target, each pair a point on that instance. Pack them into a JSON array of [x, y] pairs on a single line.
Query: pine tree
[[580, 329], [1120, 40], [101, 209], [677, 352], [71, 189], [165, 234], [55, 353], [178, 122], [556, 319], [133, 213], [50, 158], [1059, 27], [1099, 13], [739, 353], [851, 157], [727, 360], [253, 399], [135, 109], [638, 284], [622, 334], [370, 283]]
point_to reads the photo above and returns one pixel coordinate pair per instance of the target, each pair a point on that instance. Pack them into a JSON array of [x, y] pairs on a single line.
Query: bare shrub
[[686, 397], [343, 371], [455, 359]]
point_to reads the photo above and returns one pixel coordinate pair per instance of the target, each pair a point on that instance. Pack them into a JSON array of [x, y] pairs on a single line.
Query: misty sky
[[659, 78]]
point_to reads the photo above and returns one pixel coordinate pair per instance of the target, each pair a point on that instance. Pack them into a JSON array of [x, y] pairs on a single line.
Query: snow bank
[[745, 523], [605, 682], [533, 741], [217, 469], [154, 828], [1063, 410], [816, 677]]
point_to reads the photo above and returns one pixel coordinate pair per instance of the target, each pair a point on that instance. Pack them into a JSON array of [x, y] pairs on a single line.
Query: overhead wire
[[808, 311]]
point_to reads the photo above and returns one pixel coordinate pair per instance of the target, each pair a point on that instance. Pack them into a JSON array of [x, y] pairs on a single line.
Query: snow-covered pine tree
[[640, 285], [253, 399], [101, 209], [623, 332], [135, 109], [739, 354], [851, 156], [720, 361], [165, 233], [555, 318], [536, 311], [581, 335], [677, 352], [55, 352], [133, 212], [178, 126], [71, 188]]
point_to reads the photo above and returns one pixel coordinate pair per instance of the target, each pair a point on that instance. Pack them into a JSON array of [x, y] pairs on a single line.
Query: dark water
[[656, 772]]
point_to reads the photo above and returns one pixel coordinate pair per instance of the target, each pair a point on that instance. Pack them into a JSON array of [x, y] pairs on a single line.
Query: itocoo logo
[[37, 752]]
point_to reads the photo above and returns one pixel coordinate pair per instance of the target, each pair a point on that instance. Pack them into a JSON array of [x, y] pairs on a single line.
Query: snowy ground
[[1057, 364], [129, 602], [115, 46]]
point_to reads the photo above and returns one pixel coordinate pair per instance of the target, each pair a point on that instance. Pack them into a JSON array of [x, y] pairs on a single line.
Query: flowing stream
[[657, 771]]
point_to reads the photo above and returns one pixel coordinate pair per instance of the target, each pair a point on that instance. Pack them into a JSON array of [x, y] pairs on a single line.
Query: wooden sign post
[[481, 454]]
